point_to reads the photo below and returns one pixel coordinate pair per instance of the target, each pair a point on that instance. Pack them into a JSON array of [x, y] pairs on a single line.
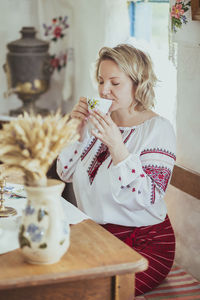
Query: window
[[149, 27]]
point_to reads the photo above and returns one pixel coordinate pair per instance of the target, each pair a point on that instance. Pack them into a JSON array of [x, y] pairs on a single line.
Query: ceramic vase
[[44, 234]]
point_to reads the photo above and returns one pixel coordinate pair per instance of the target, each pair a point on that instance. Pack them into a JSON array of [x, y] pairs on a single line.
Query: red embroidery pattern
[[109, 164], [99, 158], [59, 61], [153, 193], [160, 177], [160, 151], [128, 136], [57, 29], [87, 149]]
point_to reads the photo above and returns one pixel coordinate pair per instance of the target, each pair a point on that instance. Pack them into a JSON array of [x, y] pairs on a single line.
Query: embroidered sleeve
[[141, 179], [67, 160], [158, 165]]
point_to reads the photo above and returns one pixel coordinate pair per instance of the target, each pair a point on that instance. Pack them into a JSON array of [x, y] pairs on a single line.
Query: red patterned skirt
[[156, 243]]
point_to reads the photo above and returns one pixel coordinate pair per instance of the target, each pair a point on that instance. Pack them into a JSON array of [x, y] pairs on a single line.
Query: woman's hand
[[80, 111], [109, 134]]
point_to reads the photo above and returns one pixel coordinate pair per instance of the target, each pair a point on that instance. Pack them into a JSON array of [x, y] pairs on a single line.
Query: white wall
[[188, 104], [188, 94], [184, 210], [11, 13], [96, 24]]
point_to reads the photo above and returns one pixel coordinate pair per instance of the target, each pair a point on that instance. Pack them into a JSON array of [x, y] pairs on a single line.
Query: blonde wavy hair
[[138, 66]]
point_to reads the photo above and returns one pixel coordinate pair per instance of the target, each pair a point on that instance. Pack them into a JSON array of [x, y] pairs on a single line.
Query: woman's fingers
[[83, 102], [98, 135], [105, 120], [80, 110], [96, 123], [78, 115], [82, 105]]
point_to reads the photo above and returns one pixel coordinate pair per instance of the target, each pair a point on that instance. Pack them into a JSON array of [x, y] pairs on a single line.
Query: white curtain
[[85, 26], [53, 22], [14, 14], [96, 24]]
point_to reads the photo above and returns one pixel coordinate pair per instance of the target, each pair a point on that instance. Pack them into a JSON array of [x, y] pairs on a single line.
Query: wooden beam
[[186, 180]]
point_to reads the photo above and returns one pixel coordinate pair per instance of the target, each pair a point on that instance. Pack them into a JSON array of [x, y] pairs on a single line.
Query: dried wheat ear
[[30, 143]]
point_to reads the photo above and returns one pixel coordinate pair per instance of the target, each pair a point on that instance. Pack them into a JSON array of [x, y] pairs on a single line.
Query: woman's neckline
[[132, 119], [141, 124]]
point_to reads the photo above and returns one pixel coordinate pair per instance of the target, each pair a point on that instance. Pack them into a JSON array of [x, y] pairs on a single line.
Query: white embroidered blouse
[[130, 193]]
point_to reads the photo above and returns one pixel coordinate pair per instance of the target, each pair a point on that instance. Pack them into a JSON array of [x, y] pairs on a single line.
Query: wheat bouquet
[[30, 144]]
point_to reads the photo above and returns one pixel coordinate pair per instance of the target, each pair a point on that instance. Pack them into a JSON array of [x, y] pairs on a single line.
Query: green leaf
[[177, 22], [41, 214], [23, 241], [43, 246], [22, 229]]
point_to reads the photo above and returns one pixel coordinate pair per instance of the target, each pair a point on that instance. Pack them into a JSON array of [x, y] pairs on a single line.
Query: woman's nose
[[104, 89]]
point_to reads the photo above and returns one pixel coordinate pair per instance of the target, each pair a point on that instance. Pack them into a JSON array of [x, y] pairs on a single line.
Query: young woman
[[121, 172]]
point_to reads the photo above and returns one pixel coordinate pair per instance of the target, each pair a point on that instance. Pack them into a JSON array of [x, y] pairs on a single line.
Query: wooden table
[[97, 266]]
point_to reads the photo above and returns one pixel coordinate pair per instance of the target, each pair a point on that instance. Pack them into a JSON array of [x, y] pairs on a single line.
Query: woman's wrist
[[118, 153]]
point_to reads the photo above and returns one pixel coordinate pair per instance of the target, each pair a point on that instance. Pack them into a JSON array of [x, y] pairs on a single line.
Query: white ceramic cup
[[99, 103]]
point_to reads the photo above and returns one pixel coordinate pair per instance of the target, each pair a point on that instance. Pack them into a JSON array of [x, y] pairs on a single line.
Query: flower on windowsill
[[30, 143], [177, 13]]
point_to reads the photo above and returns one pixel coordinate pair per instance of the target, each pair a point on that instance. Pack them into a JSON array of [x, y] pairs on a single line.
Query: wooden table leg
[[124, 287]]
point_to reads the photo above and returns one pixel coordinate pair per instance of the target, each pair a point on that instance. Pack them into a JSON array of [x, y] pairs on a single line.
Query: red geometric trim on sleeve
[[160, 151], [159, 175], [87, 149]]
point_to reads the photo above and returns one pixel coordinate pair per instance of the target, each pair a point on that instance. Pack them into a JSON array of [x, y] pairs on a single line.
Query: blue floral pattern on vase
[[29, 210], [36, 233]]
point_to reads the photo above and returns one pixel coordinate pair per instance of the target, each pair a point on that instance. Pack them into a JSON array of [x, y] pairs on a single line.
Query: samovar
[[28, 69]]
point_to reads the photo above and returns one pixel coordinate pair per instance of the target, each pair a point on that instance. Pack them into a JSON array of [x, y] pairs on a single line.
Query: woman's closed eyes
[[113, 83]]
